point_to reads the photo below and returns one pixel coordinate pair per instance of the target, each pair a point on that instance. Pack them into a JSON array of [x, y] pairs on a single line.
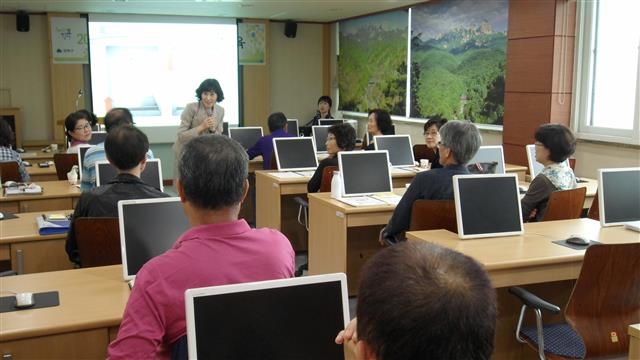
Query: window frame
[[584, 64]]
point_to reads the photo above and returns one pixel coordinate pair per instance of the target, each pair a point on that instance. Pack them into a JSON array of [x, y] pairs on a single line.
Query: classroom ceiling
[[321, 11]]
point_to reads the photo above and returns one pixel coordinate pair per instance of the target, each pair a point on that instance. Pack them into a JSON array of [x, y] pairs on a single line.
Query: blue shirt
[[94, 154], [264, 147]]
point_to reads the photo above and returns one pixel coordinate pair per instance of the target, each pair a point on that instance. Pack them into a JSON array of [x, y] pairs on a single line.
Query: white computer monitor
[[97, 137], [148, 228], [619, 195], [82, 150], [295, 153], [320, 133], [487, 205], [399, 148], [534, 166], [292, 127], [487, 155], [296, 318], [330, 122], [246, 136], [364, 172], [152, 174]]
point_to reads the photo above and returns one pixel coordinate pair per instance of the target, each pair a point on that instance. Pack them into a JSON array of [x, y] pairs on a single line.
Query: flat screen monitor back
[[246, 136], [364, 172], [399, 147], [619, 195], [295, 153], [487, 205]]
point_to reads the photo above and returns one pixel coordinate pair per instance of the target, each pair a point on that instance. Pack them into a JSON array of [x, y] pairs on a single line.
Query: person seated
[[554, 144], [431, 138], [126, 148], [419, 300], [93, 119], [264, 146], [114, 118], [459, 142], [219, 249], [7, 154], [379, 123], [340, 137], [77, 127], [323, 112]]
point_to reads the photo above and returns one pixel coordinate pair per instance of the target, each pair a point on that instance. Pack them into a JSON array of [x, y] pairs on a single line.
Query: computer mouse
[[1, 216], [577, 240], [10, 183], [26, 163], [20, 150], [24, 300]]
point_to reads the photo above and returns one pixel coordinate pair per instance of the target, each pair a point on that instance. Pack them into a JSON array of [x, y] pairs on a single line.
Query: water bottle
[[336, 185]]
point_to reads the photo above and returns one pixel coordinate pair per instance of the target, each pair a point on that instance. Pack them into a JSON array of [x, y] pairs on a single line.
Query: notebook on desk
[[366, 178], [296, 318], [148, 228]]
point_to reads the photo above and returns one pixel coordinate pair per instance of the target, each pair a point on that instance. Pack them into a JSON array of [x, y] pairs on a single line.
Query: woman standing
[[202, 117]]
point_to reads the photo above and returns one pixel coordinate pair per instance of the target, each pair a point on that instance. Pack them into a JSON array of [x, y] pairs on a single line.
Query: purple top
[[206, 255], [264, 147]]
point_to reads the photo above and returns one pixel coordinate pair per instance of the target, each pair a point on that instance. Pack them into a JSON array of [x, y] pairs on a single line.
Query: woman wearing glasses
[[341, 137], [431, 138], [78, 130]]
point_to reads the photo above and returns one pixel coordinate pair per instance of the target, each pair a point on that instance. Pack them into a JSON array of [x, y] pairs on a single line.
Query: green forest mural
[[457, 61]]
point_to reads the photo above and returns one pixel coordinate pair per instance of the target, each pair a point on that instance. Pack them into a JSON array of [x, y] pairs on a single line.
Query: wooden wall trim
[[256, 85]]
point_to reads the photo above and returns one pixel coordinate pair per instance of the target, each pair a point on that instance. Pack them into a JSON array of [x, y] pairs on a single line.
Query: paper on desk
[[285, 175], [388, 198]]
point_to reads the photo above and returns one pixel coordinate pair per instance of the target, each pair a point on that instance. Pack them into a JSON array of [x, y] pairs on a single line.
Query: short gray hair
[[462, 138]]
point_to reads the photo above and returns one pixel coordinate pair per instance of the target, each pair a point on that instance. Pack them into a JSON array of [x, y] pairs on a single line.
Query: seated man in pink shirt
[[218, 249]]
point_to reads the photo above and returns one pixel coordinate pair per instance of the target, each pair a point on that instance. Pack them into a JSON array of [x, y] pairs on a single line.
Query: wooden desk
[[276, 209], [531, 260], [331, 223], [39, 174], [34, 156], [28, 251], [519, 170], [92, 301], [56, 195], [634, 342]]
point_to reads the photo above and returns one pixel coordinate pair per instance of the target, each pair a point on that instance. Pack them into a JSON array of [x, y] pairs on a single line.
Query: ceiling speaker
[[22, 21], [290, 29]]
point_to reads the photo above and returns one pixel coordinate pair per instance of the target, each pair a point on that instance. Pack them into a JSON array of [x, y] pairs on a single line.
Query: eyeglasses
[[84, 127], [430, 133], [440, 144]]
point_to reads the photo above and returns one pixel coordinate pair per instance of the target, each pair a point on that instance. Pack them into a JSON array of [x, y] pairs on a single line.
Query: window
[[607, 72]]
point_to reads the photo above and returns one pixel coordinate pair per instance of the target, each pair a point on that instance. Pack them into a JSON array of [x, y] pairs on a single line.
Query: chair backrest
[[565, 204], [421, 151], [9, 171], [606, 298], [594, 209], [98, 241], [327, 175], [64, 163], [433, 215]]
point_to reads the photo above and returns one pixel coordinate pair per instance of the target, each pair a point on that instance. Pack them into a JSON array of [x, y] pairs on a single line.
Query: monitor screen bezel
[[123, 250], [245, 129], [458, 205], [603, 196], [297, 127], [298, 139], [501, 163], [191, 294], [81, 155], [361, 153], [159, 167], [409, 151], [315, 140], [330, 122], [100, 132]]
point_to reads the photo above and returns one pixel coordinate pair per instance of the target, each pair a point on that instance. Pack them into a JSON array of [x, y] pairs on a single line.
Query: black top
[[316, 180], [102, 201]]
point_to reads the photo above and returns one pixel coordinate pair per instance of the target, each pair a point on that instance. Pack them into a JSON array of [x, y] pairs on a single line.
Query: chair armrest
[[533, 301], [302, 202]]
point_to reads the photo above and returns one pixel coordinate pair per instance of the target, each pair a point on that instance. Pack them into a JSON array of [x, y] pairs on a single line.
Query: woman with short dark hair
[[432, 138], [554, 144], [323, 112], [379, 123], [77, 126], [340, 137], [7, 154]]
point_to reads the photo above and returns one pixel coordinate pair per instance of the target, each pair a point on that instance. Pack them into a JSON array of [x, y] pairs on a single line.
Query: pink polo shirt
[[205, 255]]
